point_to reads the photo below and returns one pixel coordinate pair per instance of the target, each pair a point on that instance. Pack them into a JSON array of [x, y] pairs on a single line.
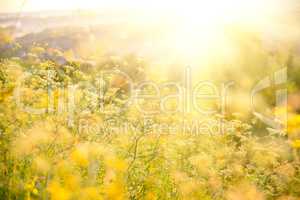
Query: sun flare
[[149, 99], [197, 30]]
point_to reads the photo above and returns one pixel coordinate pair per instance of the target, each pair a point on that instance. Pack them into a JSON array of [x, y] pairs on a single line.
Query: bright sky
[[199, 23], [34, 5]]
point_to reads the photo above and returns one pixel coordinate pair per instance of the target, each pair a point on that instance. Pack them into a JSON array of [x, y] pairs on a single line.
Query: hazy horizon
[[15, 6]]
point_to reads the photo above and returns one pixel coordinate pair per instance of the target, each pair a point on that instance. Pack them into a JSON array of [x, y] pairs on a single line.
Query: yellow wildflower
[[116, 164], [91, 193], [296, 144], [57, 192], [80, 156], [115, 191]]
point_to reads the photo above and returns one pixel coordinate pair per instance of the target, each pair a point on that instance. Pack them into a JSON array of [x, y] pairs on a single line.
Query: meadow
[[123, 106]]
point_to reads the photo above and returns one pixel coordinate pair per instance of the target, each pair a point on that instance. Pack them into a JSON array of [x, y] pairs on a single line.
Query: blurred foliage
[[50, 156]]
